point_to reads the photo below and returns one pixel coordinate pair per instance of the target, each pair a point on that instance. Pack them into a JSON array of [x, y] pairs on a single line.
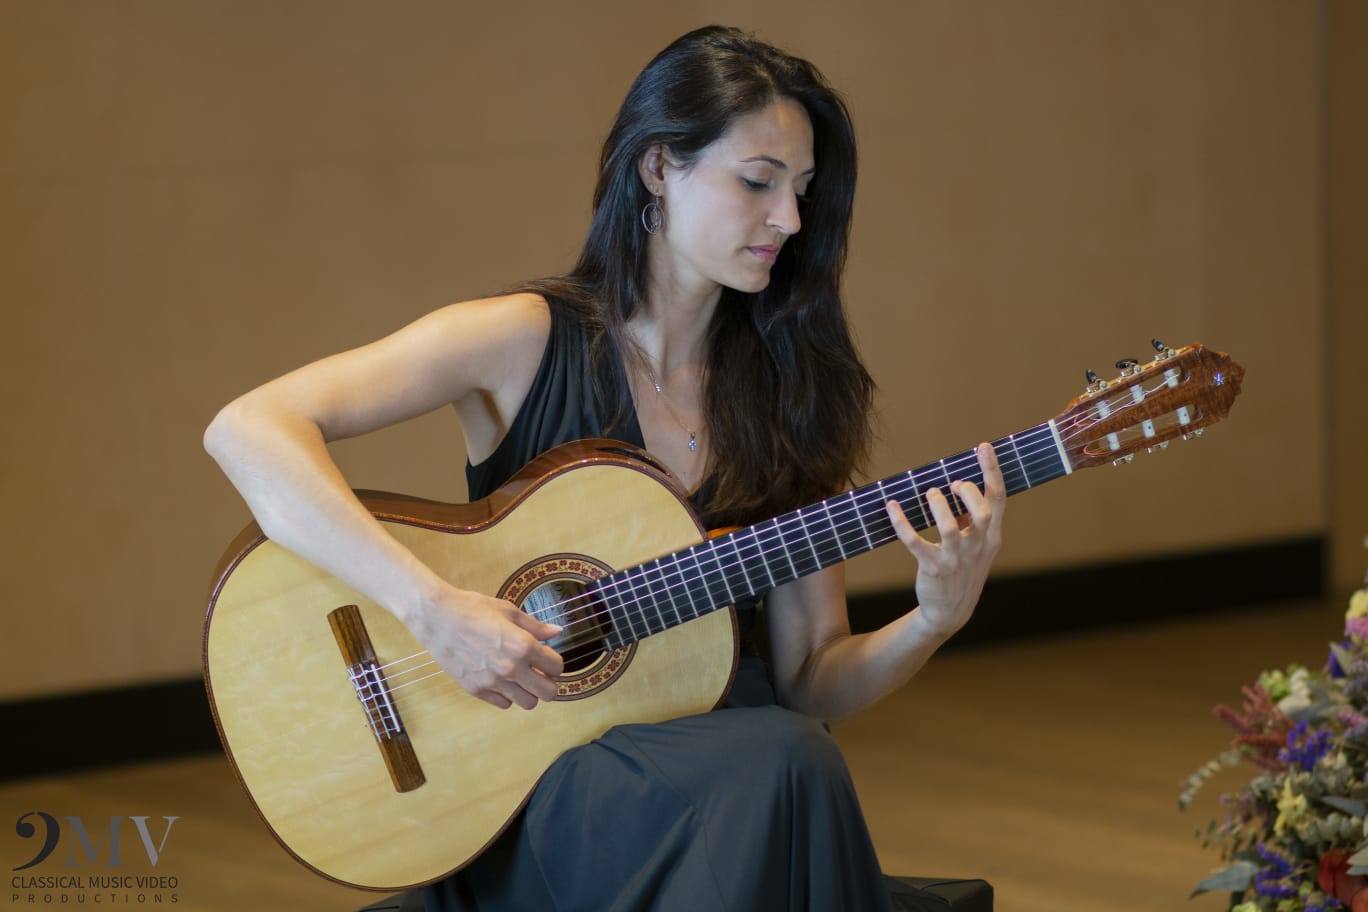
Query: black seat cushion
[[937, 894]]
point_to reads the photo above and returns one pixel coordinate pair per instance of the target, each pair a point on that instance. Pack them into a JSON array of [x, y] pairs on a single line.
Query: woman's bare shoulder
[[497, 335], [469, 349]]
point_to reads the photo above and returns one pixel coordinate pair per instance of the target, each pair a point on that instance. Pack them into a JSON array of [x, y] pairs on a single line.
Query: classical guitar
[[373, 767]]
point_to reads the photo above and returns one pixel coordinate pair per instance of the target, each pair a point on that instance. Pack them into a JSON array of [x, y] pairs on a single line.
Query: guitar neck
[[669, 590]]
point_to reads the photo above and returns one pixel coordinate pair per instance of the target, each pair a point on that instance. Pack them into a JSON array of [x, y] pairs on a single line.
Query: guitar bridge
[[377, 700]]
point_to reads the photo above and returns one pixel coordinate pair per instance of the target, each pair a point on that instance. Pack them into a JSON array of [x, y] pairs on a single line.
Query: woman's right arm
[[272, 444]]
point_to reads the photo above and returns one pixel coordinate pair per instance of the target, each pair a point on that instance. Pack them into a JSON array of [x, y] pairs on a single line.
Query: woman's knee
[[803, 745]]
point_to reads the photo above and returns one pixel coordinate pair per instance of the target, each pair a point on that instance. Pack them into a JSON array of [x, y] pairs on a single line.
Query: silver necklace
[[669, 407]]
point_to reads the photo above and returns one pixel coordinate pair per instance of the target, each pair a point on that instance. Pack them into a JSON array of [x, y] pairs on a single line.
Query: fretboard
[[675, 588]]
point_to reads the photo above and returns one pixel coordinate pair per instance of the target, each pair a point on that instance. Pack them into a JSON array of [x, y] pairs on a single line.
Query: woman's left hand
[[950, 575]]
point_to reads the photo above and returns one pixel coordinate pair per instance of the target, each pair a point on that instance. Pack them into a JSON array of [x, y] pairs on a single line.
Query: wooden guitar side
[[299, 740]]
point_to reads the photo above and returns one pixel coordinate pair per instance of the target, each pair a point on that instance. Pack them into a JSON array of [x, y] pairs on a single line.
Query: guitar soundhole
[[552, 588], [563, 601]]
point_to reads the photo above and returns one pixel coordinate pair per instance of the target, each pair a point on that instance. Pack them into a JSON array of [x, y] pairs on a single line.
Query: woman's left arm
[[823, 670]]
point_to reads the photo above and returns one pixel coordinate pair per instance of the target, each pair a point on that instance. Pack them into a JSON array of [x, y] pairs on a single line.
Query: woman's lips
[[767, 254]]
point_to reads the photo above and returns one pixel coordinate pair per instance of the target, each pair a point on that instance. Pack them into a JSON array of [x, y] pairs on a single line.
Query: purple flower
[[1335, 670], [1280, 864], [1274, 880], [1303, 749], [1351, 718], [1357, 627], [1273, 888]]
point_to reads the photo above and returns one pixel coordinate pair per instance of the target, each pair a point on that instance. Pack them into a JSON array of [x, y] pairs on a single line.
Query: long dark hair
[[786, 398]]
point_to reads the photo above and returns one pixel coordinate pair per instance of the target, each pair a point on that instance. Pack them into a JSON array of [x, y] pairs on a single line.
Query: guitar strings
[[634, 601], [763, 546], [1040, 443], [1035, 446], [723, 569], [566, 646]]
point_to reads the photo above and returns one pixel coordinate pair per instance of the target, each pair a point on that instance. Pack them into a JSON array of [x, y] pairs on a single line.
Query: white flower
[[1299, 692]]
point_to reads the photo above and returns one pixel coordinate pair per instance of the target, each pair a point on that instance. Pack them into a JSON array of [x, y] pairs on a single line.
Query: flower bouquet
[[1295, 838]]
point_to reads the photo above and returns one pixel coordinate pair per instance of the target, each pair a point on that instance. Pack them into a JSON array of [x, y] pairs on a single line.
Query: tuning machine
[[1095, 383], [1122, 460], [1164, 351], [1161, 445], [1195, 432], [1128, 366]]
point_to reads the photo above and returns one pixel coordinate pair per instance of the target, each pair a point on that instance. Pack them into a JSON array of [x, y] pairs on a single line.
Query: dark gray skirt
[[746, 807]]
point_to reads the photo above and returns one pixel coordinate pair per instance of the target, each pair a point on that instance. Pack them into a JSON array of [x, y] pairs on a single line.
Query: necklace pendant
[[693, 442]]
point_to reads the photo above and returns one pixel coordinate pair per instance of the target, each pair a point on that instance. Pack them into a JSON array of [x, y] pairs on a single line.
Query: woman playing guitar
[[703, 322]]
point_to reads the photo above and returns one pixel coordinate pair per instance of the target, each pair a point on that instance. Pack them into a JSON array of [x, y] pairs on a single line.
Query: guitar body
[[421, 795]]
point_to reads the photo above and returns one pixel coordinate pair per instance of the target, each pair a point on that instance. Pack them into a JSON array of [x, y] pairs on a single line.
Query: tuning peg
[[1095, 382], [1163, 350], [1161, 445], [1127, 366], [1122, 460], [1195, 432]]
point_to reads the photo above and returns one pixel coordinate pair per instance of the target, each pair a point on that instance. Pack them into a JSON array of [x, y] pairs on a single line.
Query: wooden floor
[[1049, 767]]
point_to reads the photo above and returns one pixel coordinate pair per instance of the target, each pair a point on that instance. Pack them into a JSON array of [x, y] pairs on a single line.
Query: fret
[[949, 495], [1031, 441], [614, 583], [641, 606], [884, 499], [750, 587], [917, 499], [688, 590], [668, 590], [834, 531], [760, 550], [774, 523], [859, 514], [1020, 462], [1010, 472], [654, 599], [721, 571], [714, 598], [817, 559], [626, 591], [881, 519]]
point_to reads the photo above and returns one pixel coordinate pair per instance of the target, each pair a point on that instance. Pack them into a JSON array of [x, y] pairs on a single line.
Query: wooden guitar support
[[373, 692]]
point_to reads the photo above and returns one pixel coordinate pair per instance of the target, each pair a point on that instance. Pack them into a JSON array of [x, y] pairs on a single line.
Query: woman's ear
[[651, 168]]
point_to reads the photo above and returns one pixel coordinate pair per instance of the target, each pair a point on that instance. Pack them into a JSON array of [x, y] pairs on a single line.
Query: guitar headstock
[[1177, 394]]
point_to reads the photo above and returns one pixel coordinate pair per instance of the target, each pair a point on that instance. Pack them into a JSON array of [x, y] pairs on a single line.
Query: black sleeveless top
[[561, 406]]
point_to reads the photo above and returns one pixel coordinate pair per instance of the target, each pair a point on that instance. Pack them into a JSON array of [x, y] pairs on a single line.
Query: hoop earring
[[652, 216]]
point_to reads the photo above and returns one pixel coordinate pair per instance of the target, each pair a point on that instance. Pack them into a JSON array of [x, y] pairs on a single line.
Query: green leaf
[[1236, 877], [1348, 805]]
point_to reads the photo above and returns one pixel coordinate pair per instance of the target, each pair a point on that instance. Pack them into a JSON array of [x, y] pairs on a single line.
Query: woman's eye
[[757, 185]]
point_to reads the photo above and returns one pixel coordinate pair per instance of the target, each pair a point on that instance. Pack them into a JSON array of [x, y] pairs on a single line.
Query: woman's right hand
[[490, 646]]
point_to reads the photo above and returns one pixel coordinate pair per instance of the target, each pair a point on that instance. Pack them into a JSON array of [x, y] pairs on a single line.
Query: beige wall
[[1347, 282], [197, 197]]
